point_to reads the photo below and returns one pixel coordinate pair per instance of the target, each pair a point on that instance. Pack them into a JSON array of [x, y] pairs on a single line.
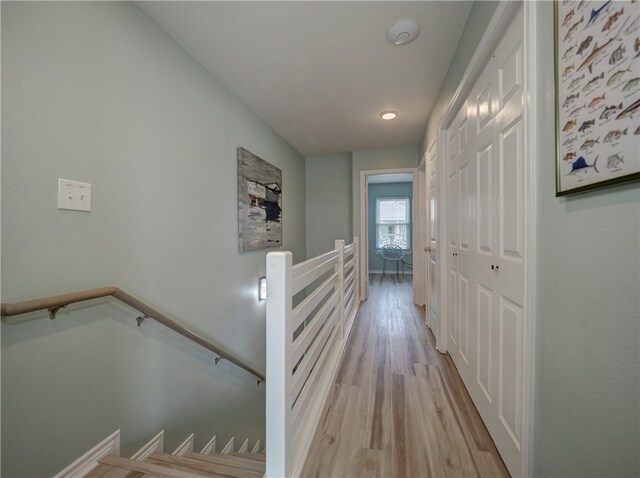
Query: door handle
[[455, 254], [494, 267], [427, 249]]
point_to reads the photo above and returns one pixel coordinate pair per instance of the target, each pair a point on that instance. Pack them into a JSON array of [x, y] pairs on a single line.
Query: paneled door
[[432, 234], [486, 244]]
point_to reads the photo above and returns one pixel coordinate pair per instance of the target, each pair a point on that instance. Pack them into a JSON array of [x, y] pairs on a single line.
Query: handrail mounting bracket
[[141, 318], [54, 310]]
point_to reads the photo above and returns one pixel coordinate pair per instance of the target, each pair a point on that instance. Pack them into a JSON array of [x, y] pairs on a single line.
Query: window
[[393, 222]]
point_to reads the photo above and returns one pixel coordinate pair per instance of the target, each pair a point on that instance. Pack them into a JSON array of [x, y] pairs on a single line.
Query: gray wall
[[385, 190], [373, 159], [588, 325], [477, 22], [333, 182], [98, 92], [329, 214]]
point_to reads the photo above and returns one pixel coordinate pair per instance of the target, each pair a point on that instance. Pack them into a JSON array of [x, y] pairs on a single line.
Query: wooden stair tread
[[252, 456], [107, 471], [202, 467], [233, 461], [152, 469]]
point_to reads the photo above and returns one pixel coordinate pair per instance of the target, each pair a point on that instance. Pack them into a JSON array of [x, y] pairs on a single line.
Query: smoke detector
[[403, 32]]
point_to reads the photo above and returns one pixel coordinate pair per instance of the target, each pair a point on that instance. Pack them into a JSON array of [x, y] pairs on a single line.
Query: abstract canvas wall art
[[259, 203]]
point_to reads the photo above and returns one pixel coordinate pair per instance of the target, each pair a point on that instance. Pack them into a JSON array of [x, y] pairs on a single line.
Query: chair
[[392, 252]]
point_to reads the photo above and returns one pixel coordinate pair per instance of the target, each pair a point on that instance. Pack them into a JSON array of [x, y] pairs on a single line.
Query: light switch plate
[[74, 195]]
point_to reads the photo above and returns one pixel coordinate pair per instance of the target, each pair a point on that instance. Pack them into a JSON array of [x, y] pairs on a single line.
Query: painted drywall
[[328, 202], [477, 22], [376, 261], [97, 92], [587, 393], [376, 159]]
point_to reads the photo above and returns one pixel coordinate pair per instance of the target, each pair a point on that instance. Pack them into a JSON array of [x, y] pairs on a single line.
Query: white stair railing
[[304, 346]]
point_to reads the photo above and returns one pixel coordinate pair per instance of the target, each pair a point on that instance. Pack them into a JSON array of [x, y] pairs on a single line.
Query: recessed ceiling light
[[403, 32], [389, 115]]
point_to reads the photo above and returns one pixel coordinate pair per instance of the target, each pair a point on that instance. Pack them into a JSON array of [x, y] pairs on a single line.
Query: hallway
[[398, 407]]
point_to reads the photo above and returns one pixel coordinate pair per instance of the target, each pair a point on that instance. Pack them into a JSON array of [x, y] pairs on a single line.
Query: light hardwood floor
[[398, 407]]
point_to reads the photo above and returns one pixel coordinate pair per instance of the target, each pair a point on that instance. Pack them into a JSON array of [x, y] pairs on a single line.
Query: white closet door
[[485, 195], [463, 230], [509, 271]]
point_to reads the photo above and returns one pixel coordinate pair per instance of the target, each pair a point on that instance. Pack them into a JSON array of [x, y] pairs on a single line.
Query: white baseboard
[[156, 445], [88, 461]]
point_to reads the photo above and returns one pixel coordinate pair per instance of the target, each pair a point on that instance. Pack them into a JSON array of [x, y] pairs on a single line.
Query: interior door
[[432, 234], [508, 268], [485, 200]]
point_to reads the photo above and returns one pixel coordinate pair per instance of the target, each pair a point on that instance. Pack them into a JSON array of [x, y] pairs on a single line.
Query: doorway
[[391, 229]]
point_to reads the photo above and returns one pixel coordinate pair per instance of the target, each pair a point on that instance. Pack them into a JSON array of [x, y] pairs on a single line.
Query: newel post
[[279, 344], [339, 246]]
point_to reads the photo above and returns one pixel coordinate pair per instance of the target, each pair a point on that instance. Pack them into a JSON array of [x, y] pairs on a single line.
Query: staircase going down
[[172, 466], [104, 461]]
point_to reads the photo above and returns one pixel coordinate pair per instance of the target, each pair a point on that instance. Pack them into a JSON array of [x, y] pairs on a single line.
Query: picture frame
[[597, 101], [259, 203]]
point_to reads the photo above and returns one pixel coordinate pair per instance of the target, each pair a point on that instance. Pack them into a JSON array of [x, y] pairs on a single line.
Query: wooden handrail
[[57, 301]]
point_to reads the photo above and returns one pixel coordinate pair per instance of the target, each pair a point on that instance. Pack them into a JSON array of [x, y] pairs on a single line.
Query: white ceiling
[[320, 72]]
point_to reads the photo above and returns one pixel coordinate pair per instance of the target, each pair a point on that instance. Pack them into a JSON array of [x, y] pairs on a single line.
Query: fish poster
[[597, 52], [259, 203]]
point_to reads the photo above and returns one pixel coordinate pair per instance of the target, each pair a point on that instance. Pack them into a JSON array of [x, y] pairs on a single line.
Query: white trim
[[531, 117], [228, 448], [256, 447], [425, 185], [185, 446], [244, 448], [156, 444], [210, 447], [419, 255], [364, 238], [88, 461]]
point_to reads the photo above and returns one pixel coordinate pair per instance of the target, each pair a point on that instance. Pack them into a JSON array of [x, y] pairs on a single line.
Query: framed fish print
[[597, 60]]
